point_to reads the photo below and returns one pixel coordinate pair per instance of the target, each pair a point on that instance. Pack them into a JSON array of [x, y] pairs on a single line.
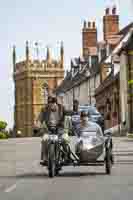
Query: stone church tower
[[34, 80]]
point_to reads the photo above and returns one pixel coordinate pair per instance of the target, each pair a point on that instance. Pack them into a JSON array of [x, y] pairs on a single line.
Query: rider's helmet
[[49, 99], [54, 100], [53, 106], [84, 114]]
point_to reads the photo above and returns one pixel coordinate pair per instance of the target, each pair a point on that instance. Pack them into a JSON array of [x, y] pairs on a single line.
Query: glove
[[66, 137], [45, 137]]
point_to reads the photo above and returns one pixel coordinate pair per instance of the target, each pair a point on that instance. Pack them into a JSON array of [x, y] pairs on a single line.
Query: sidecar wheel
[[56, 172], [108, 164]]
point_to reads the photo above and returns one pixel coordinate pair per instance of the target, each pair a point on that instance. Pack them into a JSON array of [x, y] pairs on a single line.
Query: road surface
[[22, 178]]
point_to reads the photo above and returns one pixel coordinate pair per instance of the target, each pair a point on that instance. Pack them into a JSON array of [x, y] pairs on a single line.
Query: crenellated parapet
[[43, 65]]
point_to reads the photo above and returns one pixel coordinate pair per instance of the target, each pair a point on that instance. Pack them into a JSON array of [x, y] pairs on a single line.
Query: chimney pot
[[114, 10], [107, 11]]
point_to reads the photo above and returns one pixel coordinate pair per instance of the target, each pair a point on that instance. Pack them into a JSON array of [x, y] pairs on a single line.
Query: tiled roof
[[111, 78], [64, 84], [125, 30], [121, 45], [69, 82], [106, 83]]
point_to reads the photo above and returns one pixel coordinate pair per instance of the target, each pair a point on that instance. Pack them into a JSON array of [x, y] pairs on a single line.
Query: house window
[[103, 53], [94, 61]]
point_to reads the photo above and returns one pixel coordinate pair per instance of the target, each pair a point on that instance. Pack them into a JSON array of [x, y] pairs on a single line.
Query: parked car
[[95, 115]]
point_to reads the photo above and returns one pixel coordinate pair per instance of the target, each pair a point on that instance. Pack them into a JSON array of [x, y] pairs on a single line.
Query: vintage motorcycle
[[90, 150]]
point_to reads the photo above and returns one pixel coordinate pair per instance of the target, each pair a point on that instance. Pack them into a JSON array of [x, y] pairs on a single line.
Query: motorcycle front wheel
[[51, 160]]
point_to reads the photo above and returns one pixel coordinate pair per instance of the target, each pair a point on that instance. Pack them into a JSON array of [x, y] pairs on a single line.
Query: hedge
[[3, 135]]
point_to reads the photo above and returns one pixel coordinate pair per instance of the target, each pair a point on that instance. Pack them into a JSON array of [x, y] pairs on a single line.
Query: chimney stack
[[89, 38], [110, 23]]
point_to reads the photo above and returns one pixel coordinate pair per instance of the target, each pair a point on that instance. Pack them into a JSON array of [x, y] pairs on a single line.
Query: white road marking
[[11, 188]]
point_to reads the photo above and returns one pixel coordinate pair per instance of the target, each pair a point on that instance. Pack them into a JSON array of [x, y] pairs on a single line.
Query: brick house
[[80, 83], [85, 76], [111, 95]]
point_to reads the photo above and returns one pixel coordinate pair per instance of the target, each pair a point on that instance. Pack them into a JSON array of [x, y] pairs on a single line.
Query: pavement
[[22, 178]]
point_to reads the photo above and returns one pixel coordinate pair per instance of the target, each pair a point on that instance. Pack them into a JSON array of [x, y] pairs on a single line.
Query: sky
[[48, 22]]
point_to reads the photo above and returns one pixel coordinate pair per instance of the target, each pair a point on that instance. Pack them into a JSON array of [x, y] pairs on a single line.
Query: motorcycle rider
[[87, 126], [84, 127], [54, 113]]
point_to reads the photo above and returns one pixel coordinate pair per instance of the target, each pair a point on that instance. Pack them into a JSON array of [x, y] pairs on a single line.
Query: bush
[[7, 134], [3, 135], [3, 125]]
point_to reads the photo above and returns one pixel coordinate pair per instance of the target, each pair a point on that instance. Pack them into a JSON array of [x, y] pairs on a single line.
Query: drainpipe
[[73, 94], [130, 92], [89, 91]]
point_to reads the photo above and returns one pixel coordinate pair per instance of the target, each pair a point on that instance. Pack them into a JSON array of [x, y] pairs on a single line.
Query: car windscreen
[[91, 110]]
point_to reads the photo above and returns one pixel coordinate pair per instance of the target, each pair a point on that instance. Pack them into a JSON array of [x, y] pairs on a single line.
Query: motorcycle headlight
[[53, 137]]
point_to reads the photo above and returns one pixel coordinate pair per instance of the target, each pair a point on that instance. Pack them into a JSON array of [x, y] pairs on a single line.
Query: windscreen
[[91, 110]]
